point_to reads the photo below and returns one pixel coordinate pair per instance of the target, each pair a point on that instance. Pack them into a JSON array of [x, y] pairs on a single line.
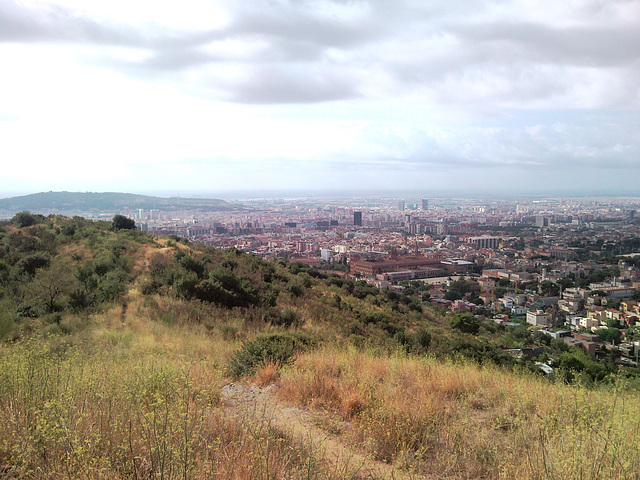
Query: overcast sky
[[159, 96]]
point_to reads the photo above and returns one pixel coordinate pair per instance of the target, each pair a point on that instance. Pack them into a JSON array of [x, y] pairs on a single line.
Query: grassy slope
[[129, 385], [456, 420]]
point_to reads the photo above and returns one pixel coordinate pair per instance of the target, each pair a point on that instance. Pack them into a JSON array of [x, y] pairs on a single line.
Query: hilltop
[[72, 203], [124, 355]]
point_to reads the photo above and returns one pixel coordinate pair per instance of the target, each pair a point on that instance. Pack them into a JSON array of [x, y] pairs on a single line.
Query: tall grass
[[465, 421], [137, 401]]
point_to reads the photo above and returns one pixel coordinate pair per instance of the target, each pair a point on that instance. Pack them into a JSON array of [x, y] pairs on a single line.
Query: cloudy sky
[[504, 96]]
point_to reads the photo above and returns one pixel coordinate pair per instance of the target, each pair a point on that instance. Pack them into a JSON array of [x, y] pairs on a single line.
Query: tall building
[[542, 221], [401, 205], [425, 204], [357, 218], [485, 241]]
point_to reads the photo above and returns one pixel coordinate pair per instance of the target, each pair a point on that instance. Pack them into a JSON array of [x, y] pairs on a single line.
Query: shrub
[[6, 327], [79, 300], [111, 287], [193, 265], [288, 318], [294, 289], [4, 271], [31, 263], [26, 219], [186, 285], [26, 311], [465, 322], [120, 222], [423, 339], [274, 348]]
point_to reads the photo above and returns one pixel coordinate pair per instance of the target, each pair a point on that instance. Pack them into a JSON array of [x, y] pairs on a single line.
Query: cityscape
[[568, 266]]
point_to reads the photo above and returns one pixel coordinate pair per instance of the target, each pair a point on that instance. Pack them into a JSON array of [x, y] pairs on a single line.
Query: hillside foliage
[[114, 346]]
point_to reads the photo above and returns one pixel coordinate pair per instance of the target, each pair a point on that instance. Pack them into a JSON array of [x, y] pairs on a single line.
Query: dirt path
[[302, 425]]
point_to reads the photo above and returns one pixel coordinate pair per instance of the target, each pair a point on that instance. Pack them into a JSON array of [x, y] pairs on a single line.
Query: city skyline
[[363, 97]]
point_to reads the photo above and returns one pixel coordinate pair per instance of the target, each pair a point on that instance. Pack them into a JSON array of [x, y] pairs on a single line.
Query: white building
[[326, 254], [538, 317]]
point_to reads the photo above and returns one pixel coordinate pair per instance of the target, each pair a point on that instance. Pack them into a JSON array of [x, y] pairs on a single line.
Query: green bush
[[294, 289], [465, 322], [193, 265], [120, 222], [26, 219], [288, 318], [269, 348], [31, 263]]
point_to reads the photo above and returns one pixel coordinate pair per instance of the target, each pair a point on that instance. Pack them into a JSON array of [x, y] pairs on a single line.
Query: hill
[[72, 203], [124, 355]]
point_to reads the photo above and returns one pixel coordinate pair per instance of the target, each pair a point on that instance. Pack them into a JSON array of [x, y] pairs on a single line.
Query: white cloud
[[280, 93]]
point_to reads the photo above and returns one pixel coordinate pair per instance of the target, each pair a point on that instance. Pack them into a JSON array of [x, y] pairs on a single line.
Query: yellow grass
[[140, 400], [464, 421], [135, 393]]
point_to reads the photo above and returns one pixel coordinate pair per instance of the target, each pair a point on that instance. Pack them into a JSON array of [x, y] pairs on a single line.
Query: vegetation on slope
[[460, 420], [114, 346]]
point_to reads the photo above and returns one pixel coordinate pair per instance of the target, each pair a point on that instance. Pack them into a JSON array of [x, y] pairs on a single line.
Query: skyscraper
[[425, 204], [357, 218], [401, 205]]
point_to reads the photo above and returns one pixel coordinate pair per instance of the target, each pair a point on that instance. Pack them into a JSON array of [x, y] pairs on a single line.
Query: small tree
[[610, 334], [50, 285], [24, 219], [465, 322], [120, 222]]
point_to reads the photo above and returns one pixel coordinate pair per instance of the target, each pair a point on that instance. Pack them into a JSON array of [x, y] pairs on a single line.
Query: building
[[425, 204], [562, 253], [519, 311], [542, 221], [326, 254], [457, 265], [357, 219], [616, 293], [485, 241], [538, 317], [371, 269], [587, 346]]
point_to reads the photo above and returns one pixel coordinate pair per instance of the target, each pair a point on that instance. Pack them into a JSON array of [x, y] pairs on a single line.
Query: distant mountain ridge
[[105, 202]]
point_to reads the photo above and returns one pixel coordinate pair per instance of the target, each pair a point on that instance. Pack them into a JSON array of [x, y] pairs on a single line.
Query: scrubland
[[460, 420], [115, 346], [133, 402]]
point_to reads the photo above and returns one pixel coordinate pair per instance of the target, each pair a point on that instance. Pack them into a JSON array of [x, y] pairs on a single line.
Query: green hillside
[[118, 349], [87, 202]]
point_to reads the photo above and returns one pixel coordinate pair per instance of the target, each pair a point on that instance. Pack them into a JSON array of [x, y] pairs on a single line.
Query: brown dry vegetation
[[140, 400], [463, 421]]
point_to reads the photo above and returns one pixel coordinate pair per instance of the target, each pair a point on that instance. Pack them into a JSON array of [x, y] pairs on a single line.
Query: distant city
[[560, 264]]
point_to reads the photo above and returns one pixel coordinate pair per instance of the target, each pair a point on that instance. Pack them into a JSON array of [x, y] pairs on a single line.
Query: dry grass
[[267, 374], [134, 393], [463, 421], [135, 401]]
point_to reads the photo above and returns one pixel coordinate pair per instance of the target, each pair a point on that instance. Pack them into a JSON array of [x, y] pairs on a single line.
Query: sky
[[215, 97]]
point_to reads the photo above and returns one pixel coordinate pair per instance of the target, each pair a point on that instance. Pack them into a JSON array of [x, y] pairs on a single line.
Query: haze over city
[[224, 98]]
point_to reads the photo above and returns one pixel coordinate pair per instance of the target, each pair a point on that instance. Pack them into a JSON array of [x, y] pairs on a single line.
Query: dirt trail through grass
[[302, 425]]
